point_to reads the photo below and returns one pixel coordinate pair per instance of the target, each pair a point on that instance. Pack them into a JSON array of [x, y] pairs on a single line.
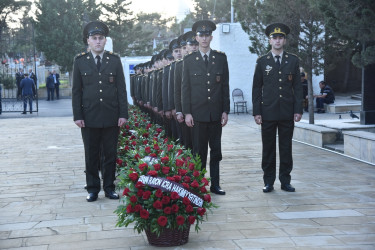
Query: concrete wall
[[241, 62]]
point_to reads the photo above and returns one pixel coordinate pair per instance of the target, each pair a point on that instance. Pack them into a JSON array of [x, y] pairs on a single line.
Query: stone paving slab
[[43, 206]]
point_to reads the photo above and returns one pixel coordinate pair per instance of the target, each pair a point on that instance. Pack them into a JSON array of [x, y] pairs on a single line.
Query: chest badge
[[290, 76], [268, 69], [111, 79]]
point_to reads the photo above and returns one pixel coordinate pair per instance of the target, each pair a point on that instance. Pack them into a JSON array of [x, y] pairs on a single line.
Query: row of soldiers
[[156, 87]]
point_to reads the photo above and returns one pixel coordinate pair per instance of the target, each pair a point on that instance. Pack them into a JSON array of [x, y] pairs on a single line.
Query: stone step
[[342, 107], [356, 97], [338, 146]]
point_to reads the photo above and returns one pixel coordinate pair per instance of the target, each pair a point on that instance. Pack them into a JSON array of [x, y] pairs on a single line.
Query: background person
[[27, 89], [326, 96]]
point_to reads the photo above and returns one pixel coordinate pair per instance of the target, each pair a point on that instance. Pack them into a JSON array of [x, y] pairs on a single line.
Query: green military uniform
[[277, 96], [99, 99]]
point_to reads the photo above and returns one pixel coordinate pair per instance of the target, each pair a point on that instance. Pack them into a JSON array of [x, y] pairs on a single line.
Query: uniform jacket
[[165, 83], [159, 85], [177, 85], [205, 91], [171, 104], [132, 78], [27, 86], [277, 94], [99, 98]]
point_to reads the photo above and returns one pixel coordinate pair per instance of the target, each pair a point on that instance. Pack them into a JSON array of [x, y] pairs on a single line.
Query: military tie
[[278, 61], [98, 63], [206, 60]]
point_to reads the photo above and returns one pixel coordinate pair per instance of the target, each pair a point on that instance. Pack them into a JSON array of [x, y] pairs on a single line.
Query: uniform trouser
[[178, 131], [100, 144], [57, 88], [27, 99], [285, 132], [187, 137], [167, 126], [204, 134]]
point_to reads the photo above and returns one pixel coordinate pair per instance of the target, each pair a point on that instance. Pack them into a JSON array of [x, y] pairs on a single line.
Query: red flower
[[177, 178], [179, 152], [127, 126], [205, 181], [182, 172], [189, 208], [170, 146], [207, 197], [134, 143], [156, 146], [174, 196], [179, 163], [165, 141], [186, 185], [165, 170], [133, 176], [140, 193], [142, 166], [191, 219], [146, 195], [168, 210], [126, 192], [162, 221], [133, 199], [147, 150], [201, 211], [144, 214], [159, 130], [170, 178], [126, 148], [165, 200], [152, 173], [196, 173], [148, 126], [203, 189], [159, 193], [129, 209], [137, 208], [165, 159], [157, 205], [180, 220], [145, 142], [119, 162], [191, 166], [157, 167], [153, 155], [139, 185], [136, 124], [175, 208], [187, 179], [186, 201], [194, 184], [145, 135], [137, 157]]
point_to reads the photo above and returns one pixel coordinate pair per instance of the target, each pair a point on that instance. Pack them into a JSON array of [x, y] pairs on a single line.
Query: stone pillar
[[368, 96]]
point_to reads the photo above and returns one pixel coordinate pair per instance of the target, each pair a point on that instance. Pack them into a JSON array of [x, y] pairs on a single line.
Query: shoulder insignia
[[292, 55], [218, 51], [112, 53], [80, 55]]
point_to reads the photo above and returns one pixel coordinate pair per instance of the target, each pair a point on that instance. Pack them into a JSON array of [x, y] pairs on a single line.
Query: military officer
[[277, 104], [100, 107], [205, 99]]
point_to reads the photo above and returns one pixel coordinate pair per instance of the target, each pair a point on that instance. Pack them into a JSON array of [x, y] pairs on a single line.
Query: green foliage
[[7, 81], [216, 10]]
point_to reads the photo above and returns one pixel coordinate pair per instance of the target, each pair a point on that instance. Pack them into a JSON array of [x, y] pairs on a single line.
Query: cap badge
[[213, 57], [197, 58], [277, 30], [203, 28], [88, 57]]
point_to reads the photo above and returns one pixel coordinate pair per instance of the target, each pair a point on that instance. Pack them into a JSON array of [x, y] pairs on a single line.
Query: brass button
[[281, 95], [208, 82], [209, 90], [280, 80], [280, 72], [208, 74], [209, 98], [100, 74], [101, 82], [101, 99], [101, 90], [280, 87]]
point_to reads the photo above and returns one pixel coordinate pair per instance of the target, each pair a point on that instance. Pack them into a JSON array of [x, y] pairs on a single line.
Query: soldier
[[132, 85], [99, 107], [277, 104], [191, 46], [205, 99]]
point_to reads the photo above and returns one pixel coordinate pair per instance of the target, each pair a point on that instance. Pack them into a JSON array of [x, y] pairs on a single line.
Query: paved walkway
[[43, 206]]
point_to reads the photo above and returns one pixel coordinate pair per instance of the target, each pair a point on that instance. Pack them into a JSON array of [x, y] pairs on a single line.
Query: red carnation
[[179, 163], [170, 146], [165, 159], [137, 208], [147, 150], [156, 146], [153, 155], [146, 195], [162, 221], [157, 205], [175, 196], [201, 211], [119, 162], [133, 199], [134, 143], [187, 179], [207, 197], [189, 208], [159, 193], [140, 193], [186, 185], [165, 200], [203, 189], [132, 137], [205, 181], [180, 220], [165, 141], [142, 166], [133, 176], [159, 130], [175, 208], [191, 219], [179, 152], [194, 184], [139, 185], [196, 173], [126, 192], [145, 142], [191, 166], [170, 178], [126, 148], [127, 127], [177, 178], [157, 167], [145, 135], [129, 209], [186, 201], [182, 172], [152, 173], [165, 170], [168, 210], [144, 214], [136, 124], [137, 157], [148, 126]]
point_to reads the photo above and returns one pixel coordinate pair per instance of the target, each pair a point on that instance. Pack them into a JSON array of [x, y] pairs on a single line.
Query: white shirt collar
[[281, 56], [208, 53]]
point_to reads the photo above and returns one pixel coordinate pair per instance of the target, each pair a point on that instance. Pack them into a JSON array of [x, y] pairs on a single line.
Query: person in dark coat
[[27, 86], [56, 82], [100, 108], [277, 104], [205, 99], [19, 77], [326, 96], [50, 87]]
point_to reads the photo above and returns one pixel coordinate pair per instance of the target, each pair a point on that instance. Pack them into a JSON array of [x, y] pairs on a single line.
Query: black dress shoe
[[92, 197], [23, 113], [112, 195], [267, 188], [217, 190], [85, 187], [288, 188]]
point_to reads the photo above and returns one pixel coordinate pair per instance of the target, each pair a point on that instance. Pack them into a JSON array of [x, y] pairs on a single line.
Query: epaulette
[[218, 51], [189, 54], [80, 55], [112, 53], [260, 57], [291, 54]]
